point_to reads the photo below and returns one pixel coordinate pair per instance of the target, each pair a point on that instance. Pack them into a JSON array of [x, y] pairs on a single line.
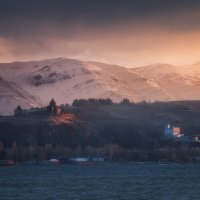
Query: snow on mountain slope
[[63, 79], [69, 79], [192, 72], [176, 81], [11, 96]]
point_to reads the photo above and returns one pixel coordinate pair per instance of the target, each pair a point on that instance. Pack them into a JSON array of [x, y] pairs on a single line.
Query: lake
[[101, 182]]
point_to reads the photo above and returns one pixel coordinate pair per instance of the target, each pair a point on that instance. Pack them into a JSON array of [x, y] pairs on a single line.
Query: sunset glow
[[131, 34], [99, 99]]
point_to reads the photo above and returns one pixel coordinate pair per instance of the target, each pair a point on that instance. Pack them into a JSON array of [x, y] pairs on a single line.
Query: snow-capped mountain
[[34, 83], [11, 96], [178, 83]]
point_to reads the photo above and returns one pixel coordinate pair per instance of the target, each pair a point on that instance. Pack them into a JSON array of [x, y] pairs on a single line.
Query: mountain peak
[[67, 79]]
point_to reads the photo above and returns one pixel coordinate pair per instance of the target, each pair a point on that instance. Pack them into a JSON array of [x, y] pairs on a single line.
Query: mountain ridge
[[68, 79]]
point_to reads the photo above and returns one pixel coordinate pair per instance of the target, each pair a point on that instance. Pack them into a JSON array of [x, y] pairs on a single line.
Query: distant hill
[[34, 83]]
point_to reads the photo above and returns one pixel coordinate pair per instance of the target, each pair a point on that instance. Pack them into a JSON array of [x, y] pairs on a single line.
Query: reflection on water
[[109, 181]]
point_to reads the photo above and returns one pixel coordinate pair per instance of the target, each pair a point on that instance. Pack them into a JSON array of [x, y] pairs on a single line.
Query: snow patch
[[93, 67]]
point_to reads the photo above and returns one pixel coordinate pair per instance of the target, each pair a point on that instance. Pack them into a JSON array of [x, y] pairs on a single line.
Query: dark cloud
[[24, 17], [97, 29]]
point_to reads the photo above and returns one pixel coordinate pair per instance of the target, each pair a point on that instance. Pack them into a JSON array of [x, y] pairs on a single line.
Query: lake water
[[101, 182]]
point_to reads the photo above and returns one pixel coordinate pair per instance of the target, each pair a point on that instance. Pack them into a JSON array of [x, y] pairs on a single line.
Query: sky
[[130, 33]]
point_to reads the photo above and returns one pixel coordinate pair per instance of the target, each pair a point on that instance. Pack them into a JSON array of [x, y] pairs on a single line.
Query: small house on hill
[[174, 133], [52, 108], [18, 111]]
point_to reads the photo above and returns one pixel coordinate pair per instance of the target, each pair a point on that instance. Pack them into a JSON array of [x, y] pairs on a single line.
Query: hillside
[[68, 79], [148, 119], [100, 130], [178, 83], [11, 96], [39, 129]]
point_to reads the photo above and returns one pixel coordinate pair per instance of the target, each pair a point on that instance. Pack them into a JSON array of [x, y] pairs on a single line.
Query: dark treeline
[[107, 101], [91, 101], [124, 131]]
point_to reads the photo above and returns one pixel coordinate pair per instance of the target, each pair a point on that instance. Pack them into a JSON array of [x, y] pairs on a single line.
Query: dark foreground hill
[[119, 131]]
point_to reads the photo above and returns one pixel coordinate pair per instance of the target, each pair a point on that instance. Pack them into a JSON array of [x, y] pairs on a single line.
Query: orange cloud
[[125, 45]]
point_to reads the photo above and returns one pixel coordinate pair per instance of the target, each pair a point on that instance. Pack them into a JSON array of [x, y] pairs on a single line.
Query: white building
[[173, 132]]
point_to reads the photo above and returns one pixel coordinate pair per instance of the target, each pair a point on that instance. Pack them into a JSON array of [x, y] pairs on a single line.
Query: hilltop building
[[52, 108], [174, 133], [18, 111]]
